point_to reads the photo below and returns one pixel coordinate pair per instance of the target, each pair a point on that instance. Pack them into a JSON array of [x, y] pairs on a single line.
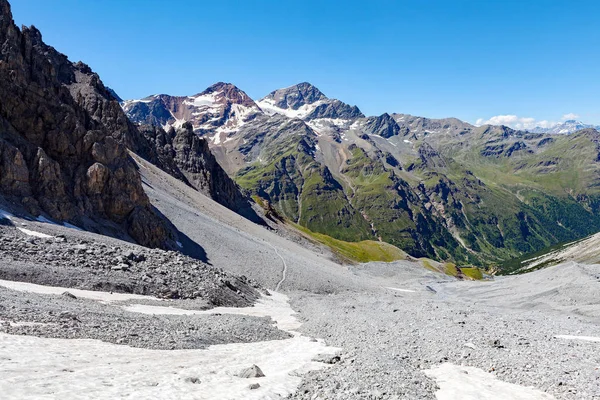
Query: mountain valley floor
[[391, 334], [370, 331]]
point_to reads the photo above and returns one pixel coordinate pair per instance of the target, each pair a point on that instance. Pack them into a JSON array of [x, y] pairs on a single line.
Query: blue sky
[[468, 59]]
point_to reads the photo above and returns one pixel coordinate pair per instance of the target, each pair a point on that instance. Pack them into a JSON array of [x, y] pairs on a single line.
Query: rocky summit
[[213, 246], [222, 106]]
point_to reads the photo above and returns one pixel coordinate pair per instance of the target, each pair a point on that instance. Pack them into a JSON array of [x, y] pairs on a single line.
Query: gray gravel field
[[90, 263], [504, 327], [240, 246]]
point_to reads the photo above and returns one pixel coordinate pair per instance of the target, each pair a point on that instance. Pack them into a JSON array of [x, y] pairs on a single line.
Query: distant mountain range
[[567, 127], [440, 188]]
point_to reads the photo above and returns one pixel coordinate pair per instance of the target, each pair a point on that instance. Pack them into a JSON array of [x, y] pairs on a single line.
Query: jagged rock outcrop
[[430, 157], [384, 126], [200, 167], [335, 109], [150, 111], [63, 138], [190, 160]]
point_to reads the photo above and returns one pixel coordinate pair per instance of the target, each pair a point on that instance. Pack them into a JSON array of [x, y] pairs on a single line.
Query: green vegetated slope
[[480, 198], [303, 190], [539, 195], [396, 209], [362, 252]]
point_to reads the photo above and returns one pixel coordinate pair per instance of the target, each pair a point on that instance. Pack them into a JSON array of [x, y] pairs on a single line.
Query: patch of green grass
[[451, 269], [363, 251], [427, 264], [258, 200], [472, 272], [255, 174]]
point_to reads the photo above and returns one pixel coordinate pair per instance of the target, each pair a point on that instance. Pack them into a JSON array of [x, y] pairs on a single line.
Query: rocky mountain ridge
[[222, 107], [64, 142], [63, 146], [440, 188], [304, 101]]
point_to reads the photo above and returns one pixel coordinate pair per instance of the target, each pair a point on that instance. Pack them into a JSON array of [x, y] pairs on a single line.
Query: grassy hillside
[[479, 199], [303, 190], [362, 252]]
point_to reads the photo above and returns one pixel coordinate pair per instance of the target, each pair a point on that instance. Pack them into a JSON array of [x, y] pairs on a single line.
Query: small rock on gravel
[[252, 372], [327, 358]]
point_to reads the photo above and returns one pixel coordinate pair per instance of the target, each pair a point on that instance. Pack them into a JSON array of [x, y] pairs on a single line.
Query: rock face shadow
[[6, 222], [192, 249], [185, 245]]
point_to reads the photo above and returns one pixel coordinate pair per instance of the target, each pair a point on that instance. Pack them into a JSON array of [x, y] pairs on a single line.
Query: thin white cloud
[[546, 124], [515, 122], [569, 116]]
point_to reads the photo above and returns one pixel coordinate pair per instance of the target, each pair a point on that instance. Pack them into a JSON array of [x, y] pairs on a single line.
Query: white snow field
[[470, 383], [40, 368], [103, 297], [275, 306]]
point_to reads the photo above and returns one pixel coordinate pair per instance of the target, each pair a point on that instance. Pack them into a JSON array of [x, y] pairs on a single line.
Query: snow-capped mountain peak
[[222, 107], [305, 101], [295, 97], [565, 128]]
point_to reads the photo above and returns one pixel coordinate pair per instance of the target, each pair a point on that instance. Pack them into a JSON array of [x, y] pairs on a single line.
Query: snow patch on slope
[[469, 383], [269, 107], [324, 123], [275, 306], [584, 338], [6, 215], [35, 233], [45, 220], [107, 371], [103, 297]]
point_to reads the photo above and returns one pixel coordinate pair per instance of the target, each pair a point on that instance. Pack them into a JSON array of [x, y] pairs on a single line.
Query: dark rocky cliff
[[191, 161], [63, 141]]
